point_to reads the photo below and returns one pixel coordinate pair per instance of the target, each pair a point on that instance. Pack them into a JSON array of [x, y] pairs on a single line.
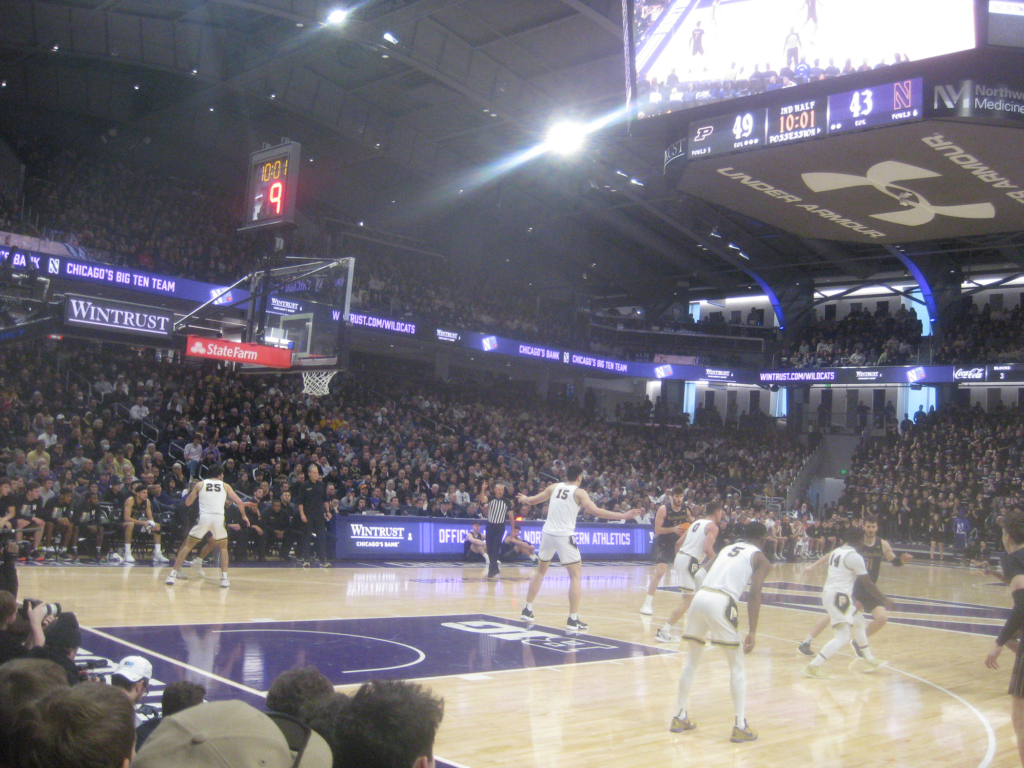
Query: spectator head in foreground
[[90, 725], [22, 681], [387, 724], [293, 688], [232, 734]]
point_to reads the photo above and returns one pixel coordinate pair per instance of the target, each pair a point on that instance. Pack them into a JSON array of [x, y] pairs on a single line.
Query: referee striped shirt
[[497, 511]]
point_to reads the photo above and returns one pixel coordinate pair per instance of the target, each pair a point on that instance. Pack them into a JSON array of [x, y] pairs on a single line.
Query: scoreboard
[[272, 182], [807, 118]]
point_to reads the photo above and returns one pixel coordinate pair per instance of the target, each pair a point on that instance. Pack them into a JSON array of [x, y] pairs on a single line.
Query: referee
[[498, 510]]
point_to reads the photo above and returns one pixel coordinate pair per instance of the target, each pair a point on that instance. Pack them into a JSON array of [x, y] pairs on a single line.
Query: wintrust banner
[[236, 352], [108, 315]]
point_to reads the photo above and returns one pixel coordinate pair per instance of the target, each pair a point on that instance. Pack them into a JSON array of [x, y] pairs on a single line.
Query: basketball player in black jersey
[[1013, 575], [812, 15], [670, 523], [873, 550], [697, 41]]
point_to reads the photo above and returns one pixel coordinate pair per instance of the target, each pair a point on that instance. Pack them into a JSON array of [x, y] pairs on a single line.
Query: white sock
[[648, 600], [808, 640], [173, 573], [156, 550], [487, 558], [127, 550], [681, 714], [741, 723], [666, 628], [529, 607], [574, 616]]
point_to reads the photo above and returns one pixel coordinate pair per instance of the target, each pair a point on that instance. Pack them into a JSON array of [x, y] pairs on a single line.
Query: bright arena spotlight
[[566, 137], [337, 16]]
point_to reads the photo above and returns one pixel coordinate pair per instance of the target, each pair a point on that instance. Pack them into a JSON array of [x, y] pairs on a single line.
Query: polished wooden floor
[[936, 705]]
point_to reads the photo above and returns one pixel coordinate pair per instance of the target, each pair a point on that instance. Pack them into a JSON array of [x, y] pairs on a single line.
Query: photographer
[[13, 638], [63, 637]]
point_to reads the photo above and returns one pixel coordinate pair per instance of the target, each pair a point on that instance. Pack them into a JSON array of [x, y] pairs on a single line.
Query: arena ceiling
[[414, 137]]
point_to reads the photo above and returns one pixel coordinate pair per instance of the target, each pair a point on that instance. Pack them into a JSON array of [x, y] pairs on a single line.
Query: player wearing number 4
[[212, 493], [714, 616], [564, 503], [847, 570], [697, 546]]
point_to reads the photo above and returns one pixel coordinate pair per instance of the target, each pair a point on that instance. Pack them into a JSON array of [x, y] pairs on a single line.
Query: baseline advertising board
[[420, 538]]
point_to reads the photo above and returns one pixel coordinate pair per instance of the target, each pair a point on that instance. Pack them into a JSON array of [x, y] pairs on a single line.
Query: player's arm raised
[[538, 498], [237, 501], [584, 500], [892, 557], [762, 565], [1014, 624]]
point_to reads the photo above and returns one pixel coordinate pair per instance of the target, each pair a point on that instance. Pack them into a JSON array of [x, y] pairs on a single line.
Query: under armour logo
[[198, 348], [703, 132], [883, 177]]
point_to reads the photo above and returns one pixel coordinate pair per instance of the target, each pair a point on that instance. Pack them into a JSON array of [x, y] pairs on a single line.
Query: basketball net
[[317, 383]]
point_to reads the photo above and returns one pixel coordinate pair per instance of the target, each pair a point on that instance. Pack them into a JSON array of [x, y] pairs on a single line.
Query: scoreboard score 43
[[273, 179]]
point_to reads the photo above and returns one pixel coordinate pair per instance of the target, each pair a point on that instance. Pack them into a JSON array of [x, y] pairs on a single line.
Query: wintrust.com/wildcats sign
[[236, 352]]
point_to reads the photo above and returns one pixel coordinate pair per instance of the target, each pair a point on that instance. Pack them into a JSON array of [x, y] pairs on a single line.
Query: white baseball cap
[[134, 668]]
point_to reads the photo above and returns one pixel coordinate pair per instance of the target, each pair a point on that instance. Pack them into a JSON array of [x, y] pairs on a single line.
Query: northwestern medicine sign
[[109, 315]]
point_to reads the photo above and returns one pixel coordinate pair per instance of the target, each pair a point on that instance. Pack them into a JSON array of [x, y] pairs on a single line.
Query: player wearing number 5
[[847, 570], [564, 503], [212, 493], [714, 616]]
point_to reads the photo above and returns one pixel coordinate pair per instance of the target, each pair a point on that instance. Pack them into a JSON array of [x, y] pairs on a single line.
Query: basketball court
[[537, 696]]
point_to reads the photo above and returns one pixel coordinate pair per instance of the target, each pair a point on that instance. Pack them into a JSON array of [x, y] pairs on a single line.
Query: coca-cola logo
[[969, 373]]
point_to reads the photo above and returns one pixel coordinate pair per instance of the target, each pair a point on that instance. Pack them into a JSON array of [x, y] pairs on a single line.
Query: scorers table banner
[[362, 537]]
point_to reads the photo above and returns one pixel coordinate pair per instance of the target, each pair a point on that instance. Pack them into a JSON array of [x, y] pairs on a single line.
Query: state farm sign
[[236, 352]]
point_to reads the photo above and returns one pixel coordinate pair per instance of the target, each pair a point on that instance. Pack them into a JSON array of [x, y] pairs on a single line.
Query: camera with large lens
[[91, 664], [52, 609]]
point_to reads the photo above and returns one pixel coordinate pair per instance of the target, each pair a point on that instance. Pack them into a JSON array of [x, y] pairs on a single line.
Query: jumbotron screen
[[694, 52]]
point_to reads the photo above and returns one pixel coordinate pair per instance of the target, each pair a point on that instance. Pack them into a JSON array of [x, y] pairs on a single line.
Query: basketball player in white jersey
[[697, 546], [846, 568], [557, 538], [212, 494], [714, 616]]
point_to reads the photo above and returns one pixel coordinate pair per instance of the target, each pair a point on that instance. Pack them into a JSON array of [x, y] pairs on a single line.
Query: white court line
[[169, 660], [989, 731], [422, 655]]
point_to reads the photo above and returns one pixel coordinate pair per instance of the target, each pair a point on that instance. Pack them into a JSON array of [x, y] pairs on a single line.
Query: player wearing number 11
[[557, 537]]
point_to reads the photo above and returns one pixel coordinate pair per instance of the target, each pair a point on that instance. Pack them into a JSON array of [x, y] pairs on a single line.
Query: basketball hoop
[[317, 383]]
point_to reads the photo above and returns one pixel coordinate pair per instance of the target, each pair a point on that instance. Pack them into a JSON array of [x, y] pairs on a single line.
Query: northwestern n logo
[[884, 177]]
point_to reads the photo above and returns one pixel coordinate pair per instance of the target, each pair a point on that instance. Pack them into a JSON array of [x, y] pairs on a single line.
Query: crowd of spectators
[[944, 479], [388, 440], [858, 339], [94, 718], [983, 335]]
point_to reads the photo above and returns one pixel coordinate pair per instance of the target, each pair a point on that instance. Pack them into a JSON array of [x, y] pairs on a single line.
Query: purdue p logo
[[842, 603]]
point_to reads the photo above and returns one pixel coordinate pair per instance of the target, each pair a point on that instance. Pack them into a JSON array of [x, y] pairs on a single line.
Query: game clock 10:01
[[273, 179]]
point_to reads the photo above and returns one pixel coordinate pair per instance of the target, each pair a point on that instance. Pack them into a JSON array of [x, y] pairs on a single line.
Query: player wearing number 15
[[212, 493], [714, 616], [564, 502]]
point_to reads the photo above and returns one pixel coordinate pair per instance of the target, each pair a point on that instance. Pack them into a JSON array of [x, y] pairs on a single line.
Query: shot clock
[[273, 178]]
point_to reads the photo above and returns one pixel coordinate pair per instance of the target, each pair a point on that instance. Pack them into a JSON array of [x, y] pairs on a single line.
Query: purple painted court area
[[241, 660]]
